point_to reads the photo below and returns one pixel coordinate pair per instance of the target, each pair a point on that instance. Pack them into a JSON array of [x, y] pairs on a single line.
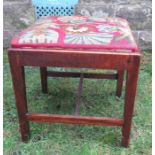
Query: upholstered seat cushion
[[77, 32]]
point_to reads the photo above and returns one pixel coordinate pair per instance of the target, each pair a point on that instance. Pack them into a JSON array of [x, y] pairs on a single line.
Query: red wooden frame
[[96, 59]]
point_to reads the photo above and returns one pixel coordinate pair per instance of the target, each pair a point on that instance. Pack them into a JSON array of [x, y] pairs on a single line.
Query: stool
[[76, 42]]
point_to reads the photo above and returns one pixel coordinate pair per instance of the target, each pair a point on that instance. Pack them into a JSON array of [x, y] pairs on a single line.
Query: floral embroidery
[[116, 21], [69, 31], [89, 38], [125, 34], [107, 28], [77, 29], [43, 36], [45, 26]]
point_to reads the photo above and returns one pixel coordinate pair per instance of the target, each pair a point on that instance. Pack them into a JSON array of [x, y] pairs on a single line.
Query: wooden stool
[[76, 42]]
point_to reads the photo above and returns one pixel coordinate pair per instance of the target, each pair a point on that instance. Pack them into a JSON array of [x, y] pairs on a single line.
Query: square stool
[[76, 42]]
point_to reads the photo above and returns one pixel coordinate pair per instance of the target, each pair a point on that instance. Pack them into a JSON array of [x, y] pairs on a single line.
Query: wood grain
[[69, 119]]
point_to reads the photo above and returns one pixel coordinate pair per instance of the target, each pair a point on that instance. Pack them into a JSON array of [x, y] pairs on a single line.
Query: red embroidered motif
[[77, 32]]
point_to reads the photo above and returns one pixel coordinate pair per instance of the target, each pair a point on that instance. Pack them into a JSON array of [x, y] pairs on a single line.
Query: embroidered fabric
[[77, 32]]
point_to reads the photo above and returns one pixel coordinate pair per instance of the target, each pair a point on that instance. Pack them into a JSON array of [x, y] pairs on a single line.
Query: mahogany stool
[[76, 42]]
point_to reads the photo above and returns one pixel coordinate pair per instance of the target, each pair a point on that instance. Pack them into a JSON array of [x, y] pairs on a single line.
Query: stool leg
[[18, 79], [43, 76], [131, 84], [120, 74]]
